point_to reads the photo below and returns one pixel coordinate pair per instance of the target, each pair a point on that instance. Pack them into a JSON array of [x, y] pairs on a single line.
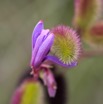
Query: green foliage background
[[17, 19]]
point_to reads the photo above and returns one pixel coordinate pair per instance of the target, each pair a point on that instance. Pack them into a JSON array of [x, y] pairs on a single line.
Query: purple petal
[[51, 84], [56, 60], [51, 91], [38, 43], [49, 81], [46, 33], [36, 32], [43, 50]]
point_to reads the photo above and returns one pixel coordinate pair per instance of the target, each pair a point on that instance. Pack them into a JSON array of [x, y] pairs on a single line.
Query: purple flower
[[42, 41], [65, 50]]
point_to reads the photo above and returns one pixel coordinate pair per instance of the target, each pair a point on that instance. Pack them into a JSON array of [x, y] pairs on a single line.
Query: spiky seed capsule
[[66, 44]]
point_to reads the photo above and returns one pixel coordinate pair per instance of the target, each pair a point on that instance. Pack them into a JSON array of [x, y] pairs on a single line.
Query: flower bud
[[94, 35], [29, 92], [86, 12]]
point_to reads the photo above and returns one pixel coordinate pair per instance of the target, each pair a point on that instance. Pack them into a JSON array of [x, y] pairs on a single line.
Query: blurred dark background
[[17, 20]]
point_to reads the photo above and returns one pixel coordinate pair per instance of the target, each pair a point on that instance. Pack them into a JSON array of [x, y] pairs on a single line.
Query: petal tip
[[41, 21], [51, 92]]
